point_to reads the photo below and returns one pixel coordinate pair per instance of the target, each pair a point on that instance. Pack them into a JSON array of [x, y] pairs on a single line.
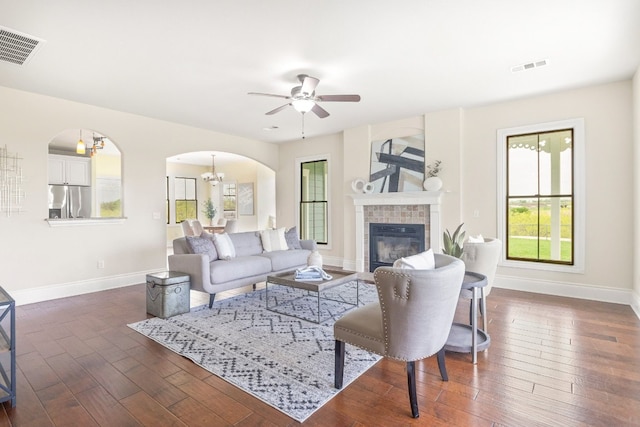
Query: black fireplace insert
[[389, 242]]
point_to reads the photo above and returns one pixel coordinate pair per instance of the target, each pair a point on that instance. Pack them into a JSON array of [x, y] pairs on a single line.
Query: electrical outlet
[[100, 263]]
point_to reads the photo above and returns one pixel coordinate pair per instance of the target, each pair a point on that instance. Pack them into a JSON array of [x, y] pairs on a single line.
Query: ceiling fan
[[304, 99]]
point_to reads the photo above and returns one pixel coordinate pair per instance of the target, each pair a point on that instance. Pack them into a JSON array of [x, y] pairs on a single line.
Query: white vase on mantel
[[433, 183], [315, 258]]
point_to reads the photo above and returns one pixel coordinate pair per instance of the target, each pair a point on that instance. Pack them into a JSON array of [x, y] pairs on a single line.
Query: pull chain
[[302, 125]]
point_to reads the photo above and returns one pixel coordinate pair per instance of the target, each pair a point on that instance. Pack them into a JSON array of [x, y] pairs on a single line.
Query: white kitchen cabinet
[[69, 170]]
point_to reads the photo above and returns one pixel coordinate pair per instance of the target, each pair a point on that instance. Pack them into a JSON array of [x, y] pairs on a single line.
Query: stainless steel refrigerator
[[69, 201]]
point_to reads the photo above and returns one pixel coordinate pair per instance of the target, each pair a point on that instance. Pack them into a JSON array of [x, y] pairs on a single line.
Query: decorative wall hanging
[[397, 164], [245, 198], [11, 191]]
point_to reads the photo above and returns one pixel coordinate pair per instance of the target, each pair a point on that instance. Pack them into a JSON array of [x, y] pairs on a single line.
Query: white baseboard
[[46, 293], [635, 303], [573, 290], [338, 262]]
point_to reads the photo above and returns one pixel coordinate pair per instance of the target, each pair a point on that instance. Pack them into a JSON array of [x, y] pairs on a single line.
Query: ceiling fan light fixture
[[303, 105]]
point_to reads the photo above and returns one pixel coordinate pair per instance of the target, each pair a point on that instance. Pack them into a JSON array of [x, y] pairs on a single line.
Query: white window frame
[[579, 193], [314, 158]]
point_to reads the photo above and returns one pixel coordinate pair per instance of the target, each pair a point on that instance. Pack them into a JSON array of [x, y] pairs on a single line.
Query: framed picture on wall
[[397, 164], [245, 198]]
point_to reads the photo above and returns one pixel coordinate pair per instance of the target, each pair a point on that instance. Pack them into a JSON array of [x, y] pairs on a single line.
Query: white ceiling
[[194, 61]]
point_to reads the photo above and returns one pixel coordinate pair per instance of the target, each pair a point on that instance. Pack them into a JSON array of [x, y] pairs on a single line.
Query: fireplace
[[389, 242], [411, 207]]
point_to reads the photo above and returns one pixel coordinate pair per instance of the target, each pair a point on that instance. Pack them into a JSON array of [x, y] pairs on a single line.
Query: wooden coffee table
[[339, 277]]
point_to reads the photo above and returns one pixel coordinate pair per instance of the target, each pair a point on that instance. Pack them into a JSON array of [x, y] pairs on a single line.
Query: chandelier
[[98, 144], [213, 177]]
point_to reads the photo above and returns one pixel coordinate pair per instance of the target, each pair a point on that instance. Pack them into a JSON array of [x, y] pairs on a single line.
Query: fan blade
[[338, 98], [309, 85], [269, 94], [280, 108], [320, 112]]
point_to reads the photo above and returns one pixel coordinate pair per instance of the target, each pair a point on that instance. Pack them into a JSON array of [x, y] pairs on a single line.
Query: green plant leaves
[[453, 243]]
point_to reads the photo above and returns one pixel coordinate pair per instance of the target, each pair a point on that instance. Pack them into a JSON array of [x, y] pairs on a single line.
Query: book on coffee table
[[311, 274]]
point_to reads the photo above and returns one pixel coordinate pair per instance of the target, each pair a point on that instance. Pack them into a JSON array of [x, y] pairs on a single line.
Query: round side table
[[468, 338]]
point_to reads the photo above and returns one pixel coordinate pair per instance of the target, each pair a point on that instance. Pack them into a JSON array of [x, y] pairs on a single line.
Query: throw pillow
[[422, 261], [202, 245], [292, 238], [478, 239], [224, 246], [273, 240]]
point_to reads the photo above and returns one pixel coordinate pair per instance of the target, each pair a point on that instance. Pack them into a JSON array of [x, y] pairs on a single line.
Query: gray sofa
[[250, 265]]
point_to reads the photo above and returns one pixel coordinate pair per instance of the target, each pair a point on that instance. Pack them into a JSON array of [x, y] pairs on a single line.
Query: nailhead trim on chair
[[360, 335], [396, 294], [395, 289], [382, 307]]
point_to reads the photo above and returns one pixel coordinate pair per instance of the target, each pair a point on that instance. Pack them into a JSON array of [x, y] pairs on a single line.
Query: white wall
[[465, 140], [330, 145], [239, 171], [356, 151], [636, 186], [39, 262], [606, 110]]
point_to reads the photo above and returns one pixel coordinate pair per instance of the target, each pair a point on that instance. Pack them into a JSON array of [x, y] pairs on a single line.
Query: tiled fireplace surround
[[419, 207]]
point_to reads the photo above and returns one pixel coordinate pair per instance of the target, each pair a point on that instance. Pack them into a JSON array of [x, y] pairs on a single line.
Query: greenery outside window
[[541, 196], [314, 210], [185, 199], [229, 200]]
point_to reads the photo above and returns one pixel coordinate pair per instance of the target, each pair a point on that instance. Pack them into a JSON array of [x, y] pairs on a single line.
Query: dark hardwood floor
[[552, 362]]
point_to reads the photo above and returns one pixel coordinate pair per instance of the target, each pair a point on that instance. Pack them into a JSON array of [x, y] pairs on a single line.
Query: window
[[541, 201], [539, 196], [186, 200], [313, 201], [229, 200]]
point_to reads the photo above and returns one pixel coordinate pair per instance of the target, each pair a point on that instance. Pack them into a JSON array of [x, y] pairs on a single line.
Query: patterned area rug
[[282, 360]]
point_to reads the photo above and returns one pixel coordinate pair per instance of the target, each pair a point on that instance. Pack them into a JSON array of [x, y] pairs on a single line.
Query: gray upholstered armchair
[[482, 257], [411, 321]]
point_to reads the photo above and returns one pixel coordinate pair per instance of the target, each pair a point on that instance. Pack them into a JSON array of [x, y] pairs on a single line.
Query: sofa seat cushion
[[287, 260], [237, 268]]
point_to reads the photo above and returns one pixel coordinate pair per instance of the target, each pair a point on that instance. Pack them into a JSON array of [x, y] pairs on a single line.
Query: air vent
[[17, 48], [529, 66]]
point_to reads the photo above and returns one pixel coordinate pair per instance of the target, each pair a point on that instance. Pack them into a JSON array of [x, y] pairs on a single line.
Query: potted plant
[[453, 243], [209, 210]]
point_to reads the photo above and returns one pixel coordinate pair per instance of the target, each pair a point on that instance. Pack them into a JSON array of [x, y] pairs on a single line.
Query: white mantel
[[429, 198]]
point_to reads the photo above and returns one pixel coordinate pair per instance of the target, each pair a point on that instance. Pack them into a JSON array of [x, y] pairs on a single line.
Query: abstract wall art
[[397, 164], [11, 182], [245, 198]]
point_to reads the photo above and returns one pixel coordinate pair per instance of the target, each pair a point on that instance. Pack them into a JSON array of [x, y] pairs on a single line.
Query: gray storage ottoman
[[168, 293]]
